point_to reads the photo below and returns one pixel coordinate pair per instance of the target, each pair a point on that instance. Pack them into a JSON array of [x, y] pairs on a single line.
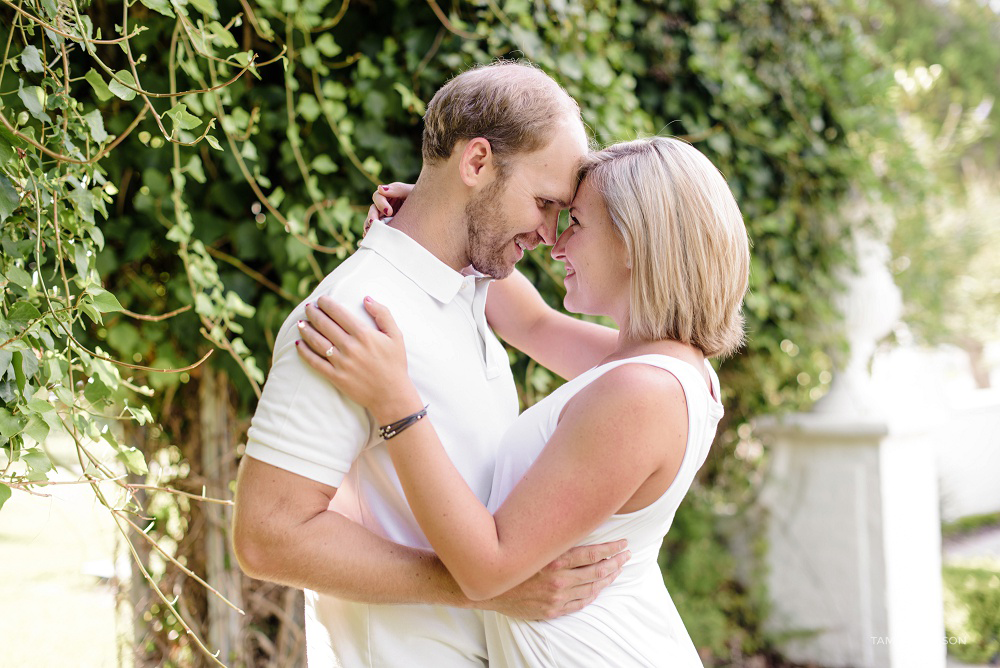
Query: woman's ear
[[476, 157]]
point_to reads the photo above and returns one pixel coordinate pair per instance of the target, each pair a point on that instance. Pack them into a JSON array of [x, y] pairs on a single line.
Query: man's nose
[[547, 230]]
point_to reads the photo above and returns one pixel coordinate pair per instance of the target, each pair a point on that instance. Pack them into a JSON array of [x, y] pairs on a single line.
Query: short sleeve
[[302, 423]]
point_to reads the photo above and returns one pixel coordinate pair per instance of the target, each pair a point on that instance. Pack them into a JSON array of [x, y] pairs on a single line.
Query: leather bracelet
[[390, 430]]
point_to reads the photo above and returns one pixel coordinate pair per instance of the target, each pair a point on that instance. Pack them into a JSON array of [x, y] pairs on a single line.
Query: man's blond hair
[[513, 105], [684, 237]]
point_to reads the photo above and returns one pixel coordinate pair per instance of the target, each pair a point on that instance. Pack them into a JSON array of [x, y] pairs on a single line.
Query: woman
[[657, 243]]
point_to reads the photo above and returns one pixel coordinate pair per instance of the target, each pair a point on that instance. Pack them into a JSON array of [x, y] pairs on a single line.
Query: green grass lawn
[[972, 609]]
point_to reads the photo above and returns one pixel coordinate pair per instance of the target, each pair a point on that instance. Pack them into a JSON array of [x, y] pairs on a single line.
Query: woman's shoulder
[[638, 391]]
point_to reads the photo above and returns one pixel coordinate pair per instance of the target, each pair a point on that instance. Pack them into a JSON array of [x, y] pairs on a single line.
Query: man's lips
[[525, 244]]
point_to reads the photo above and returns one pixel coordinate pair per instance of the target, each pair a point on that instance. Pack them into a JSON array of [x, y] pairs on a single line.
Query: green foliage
[[972, 612], [947, 60], [969, 524], [698, 569]]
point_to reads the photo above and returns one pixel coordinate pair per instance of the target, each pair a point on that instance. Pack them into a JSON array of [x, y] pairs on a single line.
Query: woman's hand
[[368, 365], [387, 200]]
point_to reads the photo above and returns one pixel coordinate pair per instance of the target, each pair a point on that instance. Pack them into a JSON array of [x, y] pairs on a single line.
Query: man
[[318, 505]]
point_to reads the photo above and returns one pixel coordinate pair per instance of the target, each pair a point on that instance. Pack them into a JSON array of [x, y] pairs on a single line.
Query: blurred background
[[177, 175]]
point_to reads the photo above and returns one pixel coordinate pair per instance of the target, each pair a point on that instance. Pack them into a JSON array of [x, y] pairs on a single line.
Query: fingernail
[[301, 324], [368, 300], [383, 188], [297, 343], [628, 555], [385, 212]]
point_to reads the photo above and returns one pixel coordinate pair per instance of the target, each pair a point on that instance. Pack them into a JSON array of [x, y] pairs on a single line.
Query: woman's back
[[633, 621]]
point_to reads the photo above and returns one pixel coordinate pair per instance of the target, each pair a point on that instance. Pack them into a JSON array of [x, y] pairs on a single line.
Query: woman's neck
[[628, 347]]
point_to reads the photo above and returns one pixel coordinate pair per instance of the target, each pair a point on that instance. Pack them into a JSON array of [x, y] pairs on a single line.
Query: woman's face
[[597, 278]]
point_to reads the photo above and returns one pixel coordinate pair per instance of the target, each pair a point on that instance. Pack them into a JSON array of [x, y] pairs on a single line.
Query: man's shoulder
[[365, 273]]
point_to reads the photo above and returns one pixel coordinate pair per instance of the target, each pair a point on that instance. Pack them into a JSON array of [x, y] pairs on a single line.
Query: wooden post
[[218, 455]]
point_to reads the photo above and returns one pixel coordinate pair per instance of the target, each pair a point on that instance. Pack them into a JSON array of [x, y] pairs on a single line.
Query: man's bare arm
[[283, 532]]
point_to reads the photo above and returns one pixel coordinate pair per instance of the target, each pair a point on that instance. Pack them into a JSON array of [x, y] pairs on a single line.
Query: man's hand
[[568, 584]]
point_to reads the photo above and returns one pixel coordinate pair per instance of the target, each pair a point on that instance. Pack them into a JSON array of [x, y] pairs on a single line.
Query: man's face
[[521, 210]]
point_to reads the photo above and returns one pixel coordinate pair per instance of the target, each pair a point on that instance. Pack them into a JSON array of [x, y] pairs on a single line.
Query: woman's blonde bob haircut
[[684, 237]]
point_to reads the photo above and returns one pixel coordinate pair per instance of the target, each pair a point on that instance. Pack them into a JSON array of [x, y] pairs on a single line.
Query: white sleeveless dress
[[633, 622]]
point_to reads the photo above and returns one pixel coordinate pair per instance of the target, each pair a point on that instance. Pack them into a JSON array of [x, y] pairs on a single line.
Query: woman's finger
[[317, 362], [381, 204], [326, 326], [339, 323], [316, 342], [372, 215], [383, 318]]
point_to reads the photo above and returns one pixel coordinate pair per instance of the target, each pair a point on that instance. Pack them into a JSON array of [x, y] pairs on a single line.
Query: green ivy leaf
[[324, 164], [18, 276], [327, 46], [410, 99], [96, 123], [134, 460], [23, 312], [18, 361], [104, 300], [31, 60], [9, 198], [8, 145], [37, 461], [97, 82], [182, 118], [83, 198], [36, 429], [213, 142], [161, 6], [4, 494], [10, 424], [32, 97], [95, 390], [120, 90], [81, 260], [222, 36], [206, 6]]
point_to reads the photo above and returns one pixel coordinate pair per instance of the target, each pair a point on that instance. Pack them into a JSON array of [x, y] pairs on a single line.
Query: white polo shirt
[[304, 425]]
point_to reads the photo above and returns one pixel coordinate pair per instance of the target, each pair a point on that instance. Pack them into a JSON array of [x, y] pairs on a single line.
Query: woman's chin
[[570, 306]]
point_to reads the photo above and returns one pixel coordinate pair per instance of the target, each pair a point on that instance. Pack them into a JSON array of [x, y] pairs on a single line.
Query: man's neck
[[433, 220]]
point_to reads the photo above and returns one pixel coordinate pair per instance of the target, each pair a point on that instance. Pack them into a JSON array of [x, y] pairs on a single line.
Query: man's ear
[[476, 158]]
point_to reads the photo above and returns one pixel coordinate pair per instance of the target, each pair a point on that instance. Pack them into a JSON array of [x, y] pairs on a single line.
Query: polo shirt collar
[[415, 262]]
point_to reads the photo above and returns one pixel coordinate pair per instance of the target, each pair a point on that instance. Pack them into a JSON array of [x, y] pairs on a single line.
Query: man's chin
[[494, 270]]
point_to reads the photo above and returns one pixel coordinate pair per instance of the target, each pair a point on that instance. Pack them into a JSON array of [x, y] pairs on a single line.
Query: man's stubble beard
[[488, 232]]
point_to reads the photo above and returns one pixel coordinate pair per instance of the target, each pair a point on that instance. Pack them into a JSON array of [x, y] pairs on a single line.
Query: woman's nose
[[559, 248]]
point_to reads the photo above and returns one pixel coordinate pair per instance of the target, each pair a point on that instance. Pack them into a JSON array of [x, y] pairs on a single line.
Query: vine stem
[[170, 490], [187, 571], [448, 24]]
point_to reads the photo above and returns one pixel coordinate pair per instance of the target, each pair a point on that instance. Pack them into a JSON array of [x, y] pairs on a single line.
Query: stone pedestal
[[854, 566]]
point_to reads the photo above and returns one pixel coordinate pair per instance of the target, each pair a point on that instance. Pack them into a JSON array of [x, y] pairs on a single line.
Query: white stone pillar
[[853, 554]]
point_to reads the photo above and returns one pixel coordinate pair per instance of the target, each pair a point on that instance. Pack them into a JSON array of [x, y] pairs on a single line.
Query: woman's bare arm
[[562, 344], [625, 426]]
